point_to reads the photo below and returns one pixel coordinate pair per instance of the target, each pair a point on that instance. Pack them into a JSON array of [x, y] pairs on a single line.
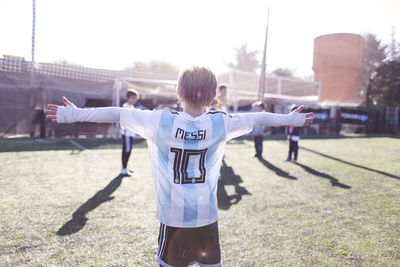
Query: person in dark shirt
[[293, 137], [258, 131]]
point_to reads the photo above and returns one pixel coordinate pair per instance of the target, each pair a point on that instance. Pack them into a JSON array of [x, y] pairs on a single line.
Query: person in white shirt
[[186, 150], [127, 136]]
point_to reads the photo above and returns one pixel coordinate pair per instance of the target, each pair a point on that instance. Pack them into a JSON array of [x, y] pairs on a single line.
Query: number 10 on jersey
[[181, 163]]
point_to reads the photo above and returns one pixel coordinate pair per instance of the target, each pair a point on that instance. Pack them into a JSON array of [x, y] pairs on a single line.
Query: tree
[[246, 60], [374, 56], [154, 66], [284, 72], [308, 77], [394, 48], [384, 88]]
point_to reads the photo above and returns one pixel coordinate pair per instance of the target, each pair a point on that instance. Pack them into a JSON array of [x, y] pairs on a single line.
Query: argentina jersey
[[186, 155]]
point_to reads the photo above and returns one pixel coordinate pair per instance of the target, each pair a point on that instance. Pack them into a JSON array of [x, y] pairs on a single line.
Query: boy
[[186, 150], [222, 101], [294, 137], [258, 131], [127, 136]]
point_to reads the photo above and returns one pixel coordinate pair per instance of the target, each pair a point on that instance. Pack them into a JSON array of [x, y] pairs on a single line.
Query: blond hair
[[197, 86]]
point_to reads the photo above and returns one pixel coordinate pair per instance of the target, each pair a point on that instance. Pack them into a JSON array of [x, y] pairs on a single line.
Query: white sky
[[113, 34]]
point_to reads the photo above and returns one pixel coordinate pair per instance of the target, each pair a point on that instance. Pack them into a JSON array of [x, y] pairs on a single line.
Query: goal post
[[243, 87]]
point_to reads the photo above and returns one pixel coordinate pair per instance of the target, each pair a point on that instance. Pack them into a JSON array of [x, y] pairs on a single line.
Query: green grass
[[339, 207]]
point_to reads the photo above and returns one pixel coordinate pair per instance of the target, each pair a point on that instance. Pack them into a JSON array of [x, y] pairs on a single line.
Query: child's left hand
[[309, 115]]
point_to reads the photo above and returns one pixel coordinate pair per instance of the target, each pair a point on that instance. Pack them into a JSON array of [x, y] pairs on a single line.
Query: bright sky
[[113, 34]]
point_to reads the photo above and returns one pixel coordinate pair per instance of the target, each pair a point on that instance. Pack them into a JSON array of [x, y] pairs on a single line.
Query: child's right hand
[[51, 112]]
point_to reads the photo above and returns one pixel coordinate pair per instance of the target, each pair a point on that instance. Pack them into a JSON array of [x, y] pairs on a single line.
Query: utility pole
[[32, 101], [261, 88], [32, 81], [33, 30]]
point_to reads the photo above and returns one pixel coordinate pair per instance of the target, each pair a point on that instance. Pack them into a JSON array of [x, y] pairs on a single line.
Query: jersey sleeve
[[242, 123], [238, 125], [70, 114], [141, 122], [124, 131]]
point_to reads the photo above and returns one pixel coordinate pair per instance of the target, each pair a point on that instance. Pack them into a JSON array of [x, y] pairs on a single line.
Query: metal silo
[[338, 61]]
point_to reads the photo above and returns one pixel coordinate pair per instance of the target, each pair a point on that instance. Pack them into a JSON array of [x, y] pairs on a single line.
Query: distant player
[[258, 131], [222, 100], [213, 105], [186, 150], [127, 136], [293, 137]]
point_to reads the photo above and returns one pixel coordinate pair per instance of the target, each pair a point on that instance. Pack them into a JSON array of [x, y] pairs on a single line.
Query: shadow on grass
[[351, 164], [283, 137], [334, 181], [277, 170], [228, 177], [79, 216]]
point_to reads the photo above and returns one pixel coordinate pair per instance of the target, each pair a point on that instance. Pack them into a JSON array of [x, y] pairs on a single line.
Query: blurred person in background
[[213, 105], [293, 137], [127, 136], [258, 130], [222, 100]]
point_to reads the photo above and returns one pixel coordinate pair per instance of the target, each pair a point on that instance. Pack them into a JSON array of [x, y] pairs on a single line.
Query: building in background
[[338, 61]]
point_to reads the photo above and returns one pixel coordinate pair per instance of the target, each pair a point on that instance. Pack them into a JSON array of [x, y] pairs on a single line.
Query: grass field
[[339, 207]]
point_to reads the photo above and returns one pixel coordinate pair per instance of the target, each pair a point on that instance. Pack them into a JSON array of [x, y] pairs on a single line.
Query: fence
[[26, 87]]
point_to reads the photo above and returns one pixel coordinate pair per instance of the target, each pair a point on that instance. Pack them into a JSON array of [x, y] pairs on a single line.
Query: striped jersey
[[186, 154]]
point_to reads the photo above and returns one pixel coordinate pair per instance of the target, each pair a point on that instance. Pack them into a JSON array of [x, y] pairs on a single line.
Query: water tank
[[338, 61]]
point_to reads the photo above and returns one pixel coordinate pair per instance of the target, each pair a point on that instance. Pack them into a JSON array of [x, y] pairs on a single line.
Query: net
[[244, 88], [26, 87]]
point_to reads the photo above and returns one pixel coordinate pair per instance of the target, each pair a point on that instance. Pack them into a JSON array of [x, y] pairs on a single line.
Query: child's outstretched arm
[[70, 113], [243, 123], [295, 118], [142, 122]]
